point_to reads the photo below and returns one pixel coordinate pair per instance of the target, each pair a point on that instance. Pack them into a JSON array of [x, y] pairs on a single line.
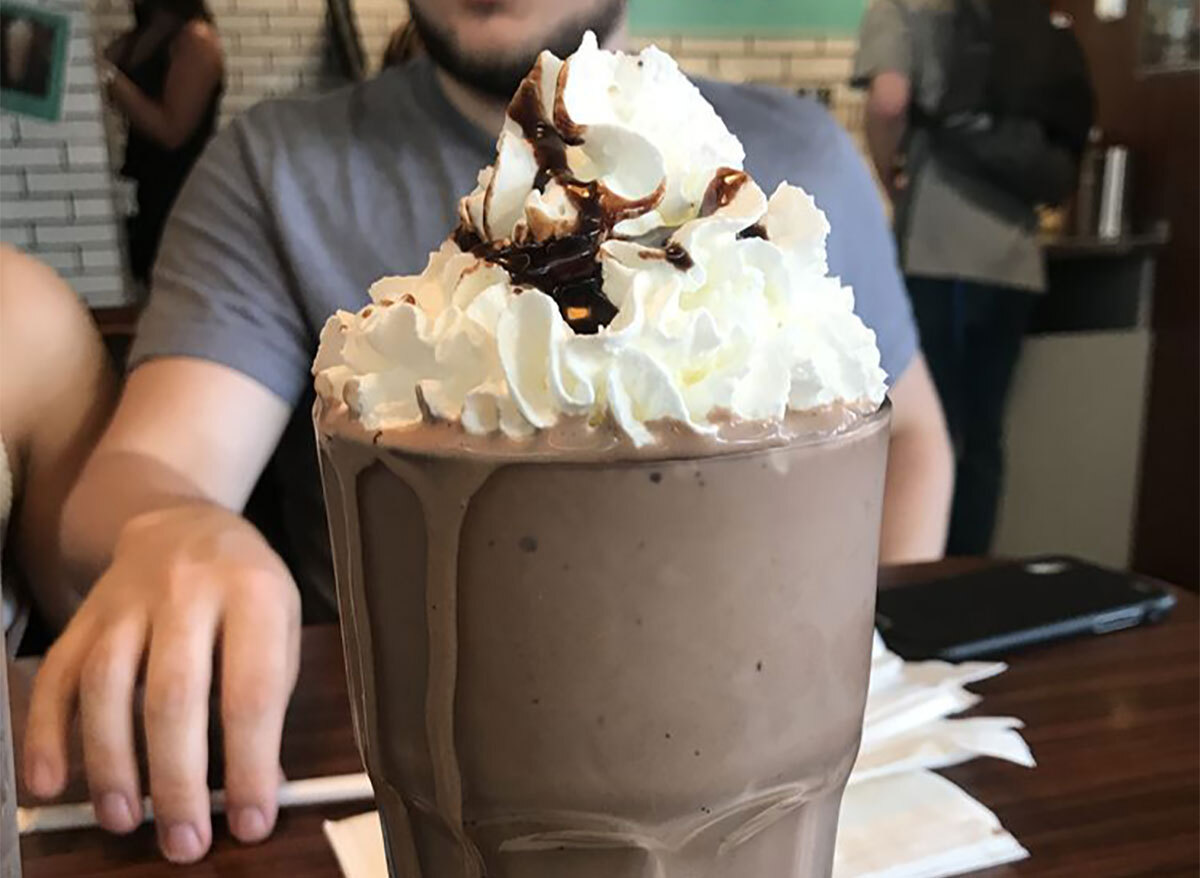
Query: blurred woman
[[56, 393], [166, 77]]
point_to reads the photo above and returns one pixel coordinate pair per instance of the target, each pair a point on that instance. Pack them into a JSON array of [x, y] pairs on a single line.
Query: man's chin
[[494, 40], [489, 49]]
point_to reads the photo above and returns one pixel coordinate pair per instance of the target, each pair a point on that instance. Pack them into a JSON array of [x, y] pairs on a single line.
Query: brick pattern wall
[[273, 47], [56, 181], [59, 198], [820, 65], [56, 190]]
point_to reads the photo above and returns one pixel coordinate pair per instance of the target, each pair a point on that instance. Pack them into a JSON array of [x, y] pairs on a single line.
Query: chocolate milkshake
[[604, 486]]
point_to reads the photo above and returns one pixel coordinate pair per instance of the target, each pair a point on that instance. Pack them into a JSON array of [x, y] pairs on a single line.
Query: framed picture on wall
[[34, 42]]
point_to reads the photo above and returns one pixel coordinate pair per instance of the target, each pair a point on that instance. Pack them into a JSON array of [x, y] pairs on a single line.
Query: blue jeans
[[971, 335]]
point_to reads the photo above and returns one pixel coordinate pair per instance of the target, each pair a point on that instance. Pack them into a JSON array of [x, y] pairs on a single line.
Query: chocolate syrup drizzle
[[567, 268], [722, 189]]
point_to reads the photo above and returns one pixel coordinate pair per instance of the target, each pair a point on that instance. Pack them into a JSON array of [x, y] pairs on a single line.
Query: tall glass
[[588, 665]]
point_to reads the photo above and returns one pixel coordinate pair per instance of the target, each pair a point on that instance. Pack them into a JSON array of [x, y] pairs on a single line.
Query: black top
[[145, 159]]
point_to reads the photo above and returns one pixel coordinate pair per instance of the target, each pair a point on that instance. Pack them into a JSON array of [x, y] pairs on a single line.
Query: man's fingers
[[178, 677], [106, 687], [258, 670], [51, 706]]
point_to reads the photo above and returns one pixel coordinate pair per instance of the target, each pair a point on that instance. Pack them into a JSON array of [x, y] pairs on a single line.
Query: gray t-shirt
[[300, 204], [949, 225]]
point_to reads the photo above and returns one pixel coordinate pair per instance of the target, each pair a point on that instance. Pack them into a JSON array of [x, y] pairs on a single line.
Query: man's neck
[[487, 111], [484, 110]]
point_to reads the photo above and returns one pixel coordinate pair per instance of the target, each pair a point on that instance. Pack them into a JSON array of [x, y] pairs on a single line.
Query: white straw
[[292, 794]]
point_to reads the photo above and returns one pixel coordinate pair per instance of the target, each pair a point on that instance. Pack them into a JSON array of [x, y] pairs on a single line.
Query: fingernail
[[40, 780], [181, 843], [114, 813], [249, 824]]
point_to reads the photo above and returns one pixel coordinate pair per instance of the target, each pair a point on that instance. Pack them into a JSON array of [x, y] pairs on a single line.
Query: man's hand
[[182, 580], [176, 570]]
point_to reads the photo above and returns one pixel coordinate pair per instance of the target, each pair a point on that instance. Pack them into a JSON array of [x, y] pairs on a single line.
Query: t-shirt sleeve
[[884, 43], [221, 291], [862, 252]]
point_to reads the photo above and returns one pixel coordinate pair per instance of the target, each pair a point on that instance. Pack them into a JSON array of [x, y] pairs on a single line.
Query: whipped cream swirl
[[614, 264]]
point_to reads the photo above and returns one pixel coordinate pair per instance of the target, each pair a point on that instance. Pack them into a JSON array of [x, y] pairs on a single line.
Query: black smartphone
[[1001, 609]]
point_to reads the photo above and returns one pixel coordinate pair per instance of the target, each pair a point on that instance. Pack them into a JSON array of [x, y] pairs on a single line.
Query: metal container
[[1114, 191]]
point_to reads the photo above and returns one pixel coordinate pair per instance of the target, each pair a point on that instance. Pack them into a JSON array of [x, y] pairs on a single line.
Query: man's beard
[[498, 75]]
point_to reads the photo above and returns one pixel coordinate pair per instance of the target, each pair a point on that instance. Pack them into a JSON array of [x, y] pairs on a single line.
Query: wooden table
[[1113, 721]]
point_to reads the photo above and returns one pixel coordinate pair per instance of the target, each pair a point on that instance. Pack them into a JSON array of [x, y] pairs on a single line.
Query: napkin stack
[[899, 819]]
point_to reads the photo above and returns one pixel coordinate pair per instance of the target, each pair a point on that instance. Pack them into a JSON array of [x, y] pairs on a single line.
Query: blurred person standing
[[977, 112], [166, 77]]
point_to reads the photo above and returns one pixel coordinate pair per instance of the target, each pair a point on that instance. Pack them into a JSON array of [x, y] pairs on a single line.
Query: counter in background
[[1077, 410]]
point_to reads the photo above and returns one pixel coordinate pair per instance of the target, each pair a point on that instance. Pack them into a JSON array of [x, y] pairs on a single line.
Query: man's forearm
[[920, 471], [916, 506], [116, 487], [186, 432]]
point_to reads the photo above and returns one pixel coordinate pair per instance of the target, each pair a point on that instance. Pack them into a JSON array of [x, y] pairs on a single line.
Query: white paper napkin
[[917, 825], [357, 843], [942, 743], [907, 695], [899, 820], [905, 726]]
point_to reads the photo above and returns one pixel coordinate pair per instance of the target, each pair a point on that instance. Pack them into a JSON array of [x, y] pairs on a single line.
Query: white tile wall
[[67, 182], [698, 65], [45, 166], [802, 48], [12, 183], [51, 156], [19, 213], [67, 262], [99, 209], [87, 156], [17, 236], [757, 68], [50, 235], [99, 259], [815, 64], [58, 197]]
